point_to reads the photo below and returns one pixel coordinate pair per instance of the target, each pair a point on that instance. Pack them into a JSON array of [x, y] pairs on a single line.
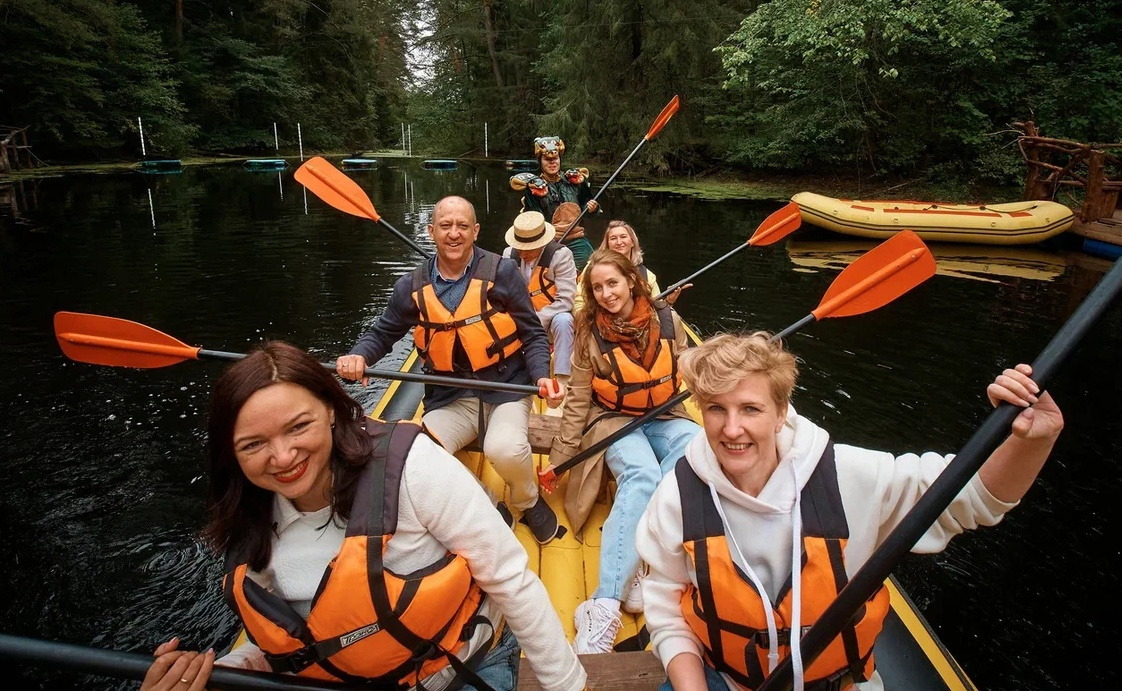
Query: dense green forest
[[870, 86]]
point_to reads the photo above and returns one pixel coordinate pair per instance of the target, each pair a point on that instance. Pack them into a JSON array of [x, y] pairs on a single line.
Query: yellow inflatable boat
[[908, 654], [1015, 223]]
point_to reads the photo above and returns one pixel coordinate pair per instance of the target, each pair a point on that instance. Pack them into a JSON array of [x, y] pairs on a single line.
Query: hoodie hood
[[800, 442]]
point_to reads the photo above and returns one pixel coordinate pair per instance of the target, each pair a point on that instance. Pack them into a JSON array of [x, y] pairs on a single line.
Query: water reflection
[[102, 488]]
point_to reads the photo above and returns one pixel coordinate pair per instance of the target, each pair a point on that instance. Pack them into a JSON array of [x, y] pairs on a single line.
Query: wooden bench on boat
[[640, 671]]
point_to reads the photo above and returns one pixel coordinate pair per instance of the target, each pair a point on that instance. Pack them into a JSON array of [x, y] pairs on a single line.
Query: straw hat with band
[[564, 216], [530, 231]]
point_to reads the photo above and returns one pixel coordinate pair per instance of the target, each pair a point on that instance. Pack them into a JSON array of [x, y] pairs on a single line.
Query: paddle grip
[[126, 665], [946, 487]]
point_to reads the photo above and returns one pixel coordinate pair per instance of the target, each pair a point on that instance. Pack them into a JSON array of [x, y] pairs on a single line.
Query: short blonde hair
[[717, 365]]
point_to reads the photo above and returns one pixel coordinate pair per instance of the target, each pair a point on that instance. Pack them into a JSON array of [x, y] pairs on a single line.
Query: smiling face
[[551, 165], [453, 230], [741, 426], [612, 290], [282, 441], [619, 240]]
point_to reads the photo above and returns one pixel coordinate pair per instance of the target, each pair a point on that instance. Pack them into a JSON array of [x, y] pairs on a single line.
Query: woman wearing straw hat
[[551, 275]]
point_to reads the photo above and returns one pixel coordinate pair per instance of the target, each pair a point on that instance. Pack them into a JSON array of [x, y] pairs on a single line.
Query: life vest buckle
[[428, 652]]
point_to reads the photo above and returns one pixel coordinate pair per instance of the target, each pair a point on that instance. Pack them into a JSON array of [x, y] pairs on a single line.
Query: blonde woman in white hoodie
[[773, 506]]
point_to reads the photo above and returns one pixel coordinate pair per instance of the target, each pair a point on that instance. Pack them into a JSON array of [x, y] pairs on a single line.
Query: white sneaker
[[633, 597], [596, 628]]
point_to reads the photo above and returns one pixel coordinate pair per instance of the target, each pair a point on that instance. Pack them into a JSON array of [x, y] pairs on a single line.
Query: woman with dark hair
[[357, 550], [624, 364]]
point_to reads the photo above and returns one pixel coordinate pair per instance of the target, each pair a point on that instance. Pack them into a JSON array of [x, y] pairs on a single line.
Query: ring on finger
[[184, 680]]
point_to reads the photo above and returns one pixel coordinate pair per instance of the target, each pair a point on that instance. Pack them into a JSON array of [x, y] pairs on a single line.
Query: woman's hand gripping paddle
[[875, 279], [656, 127], [333, 186], [773, 229], [117, 342]]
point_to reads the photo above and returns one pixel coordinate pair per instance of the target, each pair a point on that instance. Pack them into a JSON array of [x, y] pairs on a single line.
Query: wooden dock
[[1103, 229]]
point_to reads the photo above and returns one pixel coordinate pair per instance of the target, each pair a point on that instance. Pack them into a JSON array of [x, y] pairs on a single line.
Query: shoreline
[[724, 185]]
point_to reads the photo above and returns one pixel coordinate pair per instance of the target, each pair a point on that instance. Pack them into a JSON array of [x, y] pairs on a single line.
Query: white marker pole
[[485, 154], [300, 138], [403, 151], [143, 151], [276, 140], [410, 139]]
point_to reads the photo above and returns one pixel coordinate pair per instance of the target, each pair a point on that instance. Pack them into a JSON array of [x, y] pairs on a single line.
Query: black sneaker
[[508, 518], [542, 522]]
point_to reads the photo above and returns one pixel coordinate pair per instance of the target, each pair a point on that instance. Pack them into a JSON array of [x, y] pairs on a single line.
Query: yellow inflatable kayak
[[908, 654], [1015, 223]]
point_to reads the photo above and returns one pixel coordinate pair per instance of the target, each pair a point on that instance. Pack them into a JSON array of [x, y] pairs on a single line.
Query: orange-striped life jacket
[[630, 388], [486, 335], [727, 613], [543, 289], [368, 624]]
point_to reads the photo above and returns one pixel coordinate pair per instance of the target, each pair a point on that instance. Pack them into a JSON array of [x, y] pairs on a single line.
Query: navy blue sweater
[[508, 294]]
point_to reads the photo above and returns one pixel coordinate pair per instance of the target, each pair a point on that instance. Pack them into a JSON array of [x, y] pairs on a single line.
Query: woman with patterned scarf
[[624, 364]]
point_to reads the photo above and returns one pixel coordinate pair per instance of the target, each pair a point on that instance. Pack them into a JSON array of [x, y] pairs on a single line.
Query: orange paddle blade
[[663, 118], [333, 186], [878, 277], [777, 226], [117, 342]]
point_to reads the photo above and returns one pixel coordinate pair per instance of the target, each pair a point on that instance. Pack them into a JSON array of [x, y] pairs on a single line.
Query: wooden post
[[1099, 202]]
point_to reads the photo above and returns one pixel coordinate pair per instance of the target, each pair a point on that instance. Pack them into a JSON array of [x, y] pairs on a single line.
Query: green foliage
[[80, 71], [915, 87]]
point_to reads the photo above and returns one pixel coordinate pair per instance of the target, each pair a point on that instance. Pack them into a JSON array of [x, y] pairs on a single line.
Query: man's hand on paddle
[[552, 391], [352, 367]]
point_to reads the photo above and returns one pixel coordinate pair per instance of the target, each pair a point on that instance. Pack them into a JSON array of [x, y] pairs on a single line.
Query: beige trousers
[[506, 444]]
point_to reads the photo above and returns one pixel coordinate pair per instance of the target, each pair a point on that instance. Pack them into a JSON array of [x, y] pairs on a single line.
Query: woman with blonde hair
[[765, 520], [621, 238], [624, 364]]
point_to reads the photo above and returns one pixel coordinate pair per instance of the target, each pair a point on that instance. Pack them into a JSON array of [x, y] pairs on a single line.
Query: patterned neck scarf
[[634, 334]]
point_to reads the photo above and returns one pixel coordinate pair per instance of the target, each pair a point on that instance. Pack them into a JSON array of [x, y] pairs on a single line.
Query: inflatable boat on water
[[908, 654], [1015, 223]]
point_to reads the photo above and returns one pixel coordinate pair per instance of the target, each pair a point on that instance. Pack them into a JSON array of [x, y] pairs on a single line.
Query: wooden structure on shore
[[13, 146], [1054, 163]]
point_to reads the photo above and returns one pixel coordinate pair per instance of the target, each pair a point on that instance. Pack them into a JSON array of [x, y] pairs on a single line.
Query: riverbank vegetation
[[924, 88]]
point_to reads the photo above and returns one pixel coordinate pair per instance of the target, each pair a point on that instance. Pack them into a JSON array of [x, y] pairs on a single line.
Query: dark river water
[[101, 487]]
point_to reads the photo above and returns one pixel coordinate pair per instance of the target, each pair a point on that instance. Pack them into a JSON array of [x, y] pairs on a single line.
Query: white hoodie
[[877, 491]]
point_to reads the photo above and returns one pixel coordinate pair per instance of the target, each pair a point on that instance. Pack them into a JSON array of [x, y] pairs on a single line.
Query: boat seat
[[543, 428], [637, 671]]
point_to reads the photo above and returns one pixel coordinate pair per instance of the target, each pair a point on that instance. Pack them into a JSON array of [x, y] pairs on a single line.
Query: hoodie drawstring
[[796, 584]]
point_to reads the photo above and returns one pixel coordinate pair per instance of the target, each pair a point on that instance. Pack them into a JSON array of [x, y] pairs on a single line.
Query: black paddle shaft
[[946, 487], [431, 379], [125, 665], [700, 271]]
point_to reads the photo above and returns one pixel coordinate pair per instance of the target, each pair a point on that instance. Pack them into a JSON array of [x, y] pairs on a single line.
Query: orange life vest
[[543, 289], [368, 624], [630, 388], [486, 335], [726, 612]]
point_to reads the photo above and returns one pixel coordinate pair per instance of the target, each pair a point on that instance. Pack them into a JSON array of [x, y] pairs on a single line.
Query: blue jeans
[[500, 667], [713, 681], [638, 462]]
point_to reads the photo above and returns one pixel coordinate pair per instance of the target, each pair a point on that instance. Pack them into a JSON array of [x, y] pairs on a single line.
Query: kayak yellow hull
[[1014, 223]]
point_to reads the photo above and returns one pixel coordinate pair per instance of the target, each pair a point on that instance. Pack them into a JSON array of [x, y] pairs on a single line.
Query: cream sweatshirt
[[877, 491], [442, 509]]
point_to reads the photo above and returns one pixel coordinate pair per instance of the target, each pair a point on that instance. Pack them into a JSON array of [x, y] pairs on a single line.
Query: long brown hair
[[585, 318], [240, 514]]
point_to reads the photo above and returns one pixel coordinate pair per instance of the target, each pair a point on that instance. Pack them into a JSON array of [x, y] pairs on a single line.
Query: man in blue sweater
[[472, 317]]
